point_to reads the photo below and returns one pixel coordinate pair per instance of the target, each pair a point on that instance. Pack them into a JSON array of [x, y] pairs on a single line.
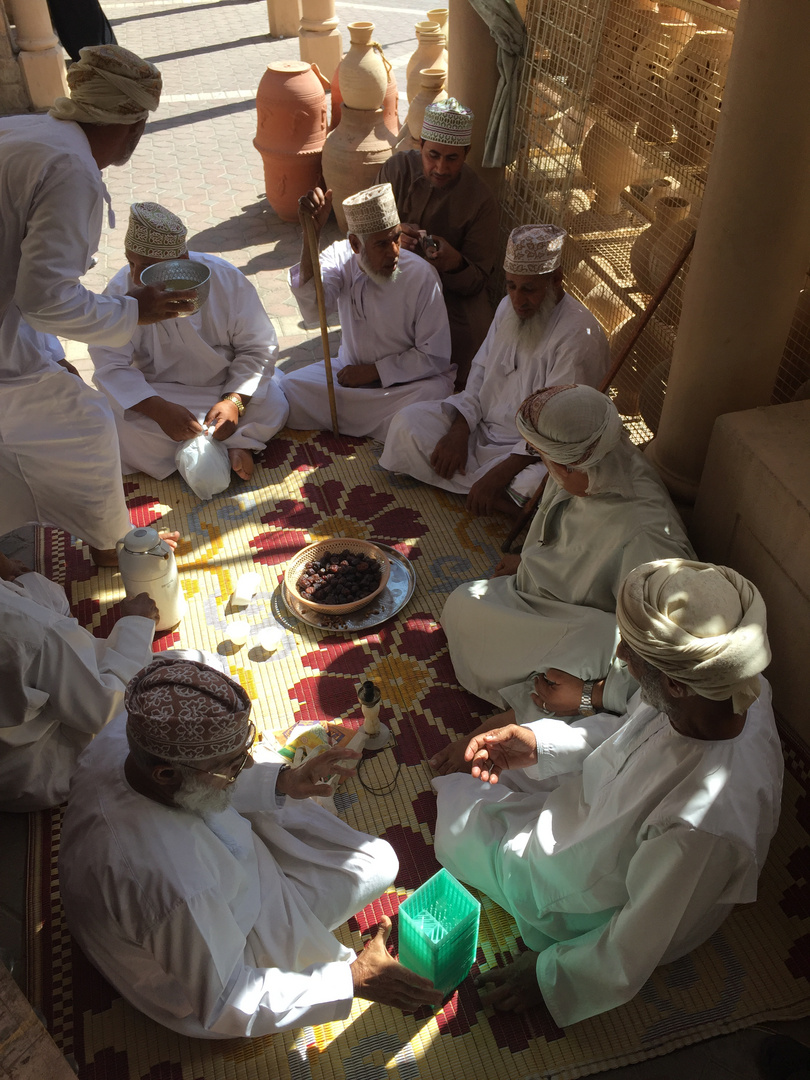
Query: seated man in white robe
[[651, 826], [209, 902], [603, 512], [214, 367], [540, 336], [60, 685], [395, 343]]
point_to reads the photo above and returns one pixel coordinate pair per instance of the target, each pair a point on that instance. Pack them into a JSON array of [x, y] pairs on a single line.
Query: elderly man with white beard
[[540, 336], [618, 843], [395, 345], [206, 890]]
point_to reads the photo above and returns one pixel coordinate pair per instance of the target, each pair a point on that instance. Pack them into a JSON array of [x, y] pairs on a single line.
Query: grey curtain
[[506, 26]]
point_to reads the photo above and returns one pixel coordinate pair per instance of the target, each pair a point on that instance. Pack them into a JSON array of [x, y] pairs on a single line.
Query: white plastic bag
[[204, 464]]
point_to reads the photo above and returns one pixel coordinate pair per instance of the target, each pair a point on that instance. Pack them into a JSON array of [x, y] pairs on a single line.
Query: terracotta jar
[[363, 73], [661, 257], [693, 92], [649, 71], [291, 129], [354, 153], [432, 90], [390, 103], [440, 16], [628, 24], [610, 165], [669, 210], [430, 52]]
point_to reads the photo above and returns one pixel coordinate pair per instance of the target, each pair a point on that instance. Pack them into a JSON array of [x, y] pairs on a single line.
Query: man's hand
[[316, 204], [450, 452], [359, 375], [156, 303], [510, 747], [175, 420], [142, 605], [411, 235], [451, 758], [486, 494], [377, 976], [312, 777], [66, 364], [508, 565], [225, 415], [512, 988], [444, 256], [11, 569]]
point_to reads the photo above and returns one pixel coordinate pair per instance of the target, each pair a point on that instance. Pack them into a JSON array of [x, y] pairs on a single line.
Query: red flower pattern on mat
[[107, 1065]]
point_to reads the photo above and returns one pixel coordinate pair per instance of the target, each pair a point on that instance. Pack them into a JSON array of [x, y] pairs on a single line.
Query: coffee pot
[[147, 564]]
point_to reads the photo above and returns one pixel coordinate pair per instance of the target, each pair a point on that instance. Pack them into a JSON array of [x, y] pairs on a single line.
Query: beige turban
[[155, 232], [448, 122], [109, 85], [534, 249], [571, 425], [370, 211], [180, 710], [702, 625]]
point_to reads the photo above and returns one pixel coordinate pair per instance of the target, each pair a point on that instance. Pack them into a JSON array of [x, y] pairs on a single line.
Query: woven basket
[[295, 567]]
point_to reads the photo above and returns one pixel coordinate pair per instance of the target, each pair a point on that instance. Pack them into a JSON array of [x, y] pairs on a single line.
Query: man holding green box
[[636, 835]]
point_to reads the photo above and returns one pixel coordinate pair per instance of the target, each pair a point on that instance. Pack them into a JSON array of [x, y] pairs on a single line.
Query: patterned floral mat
[[310, 488]]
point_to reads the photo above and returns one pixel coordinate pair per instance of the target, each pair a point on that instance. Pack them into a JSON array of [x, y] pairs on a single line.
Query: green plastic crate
[[438, 931]]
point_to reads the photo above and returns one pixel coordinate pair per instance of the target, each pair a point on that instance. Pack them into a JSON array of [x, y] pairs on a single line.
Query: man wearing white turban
[[58, 452], [604, 511], [621, 843], [540, 336], [207, 890]]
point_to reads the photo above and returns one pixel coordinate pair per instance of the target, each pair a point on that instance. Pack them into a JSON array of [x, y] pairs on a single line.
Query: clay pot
[[354, 153], [649, 70], [659, 189], [603, 302], [336, 99], [431, 90], [390, 103], [291, 129], [628, 24], [430, 52], [440, 16], [363, 74], [610, 165], [693, 91], [668, 212], [661, 257]]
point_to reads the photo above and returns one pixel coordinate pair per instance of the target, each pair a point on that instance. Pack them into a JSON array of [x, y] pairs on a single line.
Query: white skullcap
[[109, 85], [700, 624], [448, 122], [534, 249], [371, 211], [155, 232]]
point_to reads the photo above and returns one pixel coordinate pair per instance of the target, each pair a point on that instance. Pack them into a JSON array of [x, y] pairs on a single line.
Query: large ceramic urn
[[430, 52], [693, 92], [669, 210], [628, 24], [650, 69], [610, 165], [390, 105], [290, 133], [432, 90], [363, 72], [354, 153]]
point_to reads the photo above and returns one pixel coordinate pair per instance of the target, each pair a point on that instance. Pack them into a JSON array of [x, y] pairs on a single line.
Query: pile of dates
[[339, 578]]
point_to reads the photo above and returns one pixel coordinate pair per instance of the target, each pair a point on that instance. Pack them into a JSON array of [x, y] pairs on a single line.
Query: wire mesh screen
[[617, 113]]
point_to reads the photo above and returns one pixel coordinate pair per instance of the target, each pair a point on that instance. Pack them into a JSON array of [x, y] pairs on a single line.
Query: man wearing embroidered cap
[[206, 890], [395, 343], [603, 512], [621, 843], [213, 368], [540, 336], [449, 217], [58, 458]]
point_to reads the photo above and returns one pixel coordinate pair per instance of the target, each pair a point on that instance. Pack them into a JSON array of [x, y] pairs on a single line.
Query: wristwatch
[[237, 401], [586, 703]]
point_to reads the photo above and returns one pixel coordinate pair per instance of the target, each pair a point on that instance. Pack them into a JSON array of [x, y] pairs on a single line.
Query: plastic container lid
[[141, 540]]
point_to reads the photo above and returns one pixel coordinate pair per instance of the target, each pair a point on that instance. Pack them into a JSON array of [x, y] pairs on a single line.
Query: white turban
[[109, 85], [700, 624]]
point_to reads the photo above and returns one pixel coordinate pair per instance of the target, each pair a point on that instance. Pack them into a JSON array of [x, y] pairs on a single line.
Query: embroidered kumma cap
[[181, 710], [448, 122], [109, 85], [370, 211], [155, 232], [534, 249]]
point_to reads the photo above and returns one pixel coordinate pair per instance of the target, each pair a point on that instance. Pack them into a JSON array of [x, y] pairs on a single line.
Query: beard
[[200, 798], [374, 275], [652, 692], [530, 332]]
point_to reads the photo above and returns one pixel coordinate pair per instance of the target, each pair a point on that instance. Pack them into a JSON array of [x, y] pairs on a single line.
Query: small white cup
[[238, 632], [271, 638], [245, 589]]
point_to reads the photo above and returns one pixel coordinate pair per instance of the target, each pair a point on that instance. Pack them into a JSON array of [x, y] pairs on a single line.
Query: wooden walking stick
[[605, 385], [312, 240]]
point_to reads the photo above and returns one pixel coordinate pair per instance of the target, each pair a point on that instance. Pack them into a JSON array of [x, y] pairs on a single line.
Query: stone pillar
[[753, 241], [472, 77], [284, 17], [319, 40], [13, 93], [41, 58]]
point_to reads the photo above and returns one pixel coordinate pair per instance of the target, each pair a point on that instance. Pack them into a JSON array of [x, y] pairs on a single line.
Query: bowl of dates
[[337, 576]]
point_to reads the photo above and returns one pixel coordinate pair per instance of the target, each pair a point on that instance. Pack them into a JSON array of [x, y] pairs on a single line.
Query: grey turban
[[700, 624], [109, 85]]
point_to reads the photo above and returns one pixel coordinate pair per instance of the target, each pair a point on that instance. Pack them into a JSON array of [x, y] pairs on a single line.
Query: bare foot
[[450, 758], [241, 462]]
